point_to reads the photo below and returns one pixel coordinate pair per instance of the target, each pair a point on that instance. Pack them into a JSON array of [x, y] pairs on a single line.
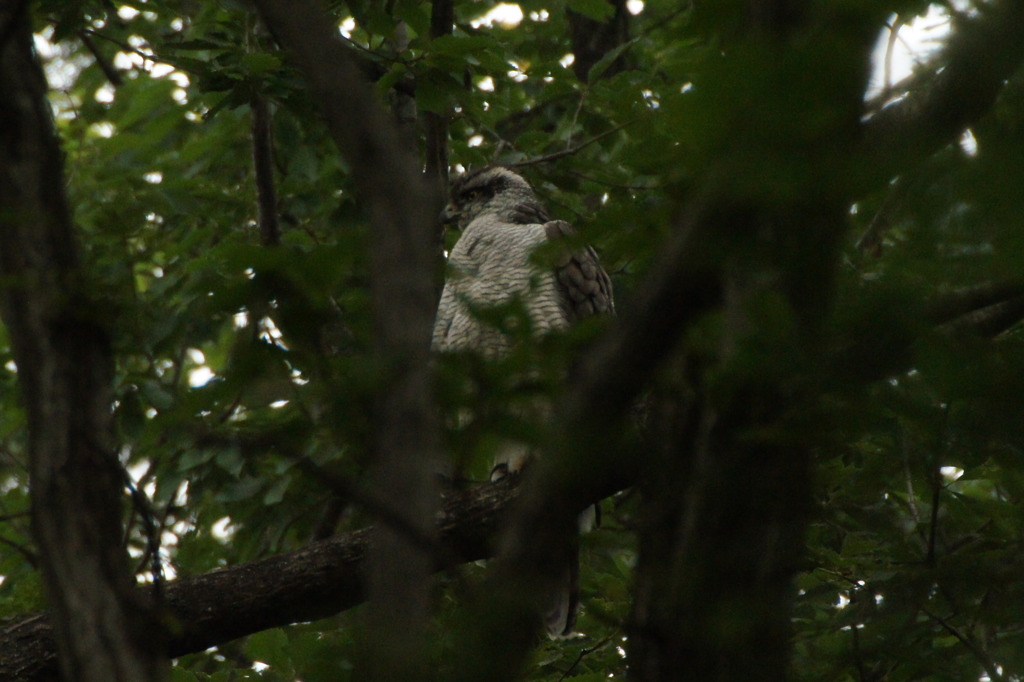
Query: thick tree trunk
[[726, 491], [721, 538], [593, 39], [104, 629]]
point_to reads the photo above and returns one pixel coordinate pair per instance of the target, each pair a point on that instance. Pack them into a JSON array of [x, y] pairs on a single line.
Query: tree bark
[[104, 629], [726, 495], [403, 267], [261, 127], [314, 582], [593, 39]]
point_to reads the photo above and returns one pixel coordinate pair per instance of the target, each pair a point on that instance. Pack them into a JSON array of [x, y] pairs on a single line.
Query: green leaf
[[271, 647], [461, 46], [276, 492], [609, 57], [396, 73], [260, 62], [599, 10], [156, 394], [436, 91]]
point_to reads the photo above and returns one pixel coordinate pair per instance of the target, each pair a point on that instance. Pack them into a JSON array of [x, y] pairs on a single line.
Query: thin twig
[[575, 118], [125, 47], [613, 185], [263, 166], [569, 152], [991, 669], [109, 70], [347, 488], [933, 523], [141, 502], [515, 121], [583, 653], [908, 476], [870, 242], [862, 674], [29, 555], [656, 23]]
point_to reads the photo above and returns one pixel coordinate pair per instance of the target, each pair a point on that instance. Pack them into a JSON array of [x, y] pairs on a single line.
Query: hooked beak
[[449, 214]]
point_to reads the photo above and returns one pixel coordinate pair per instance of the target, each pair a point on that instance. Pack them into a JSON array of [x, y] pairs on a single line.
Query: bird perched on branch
[[491, 265]]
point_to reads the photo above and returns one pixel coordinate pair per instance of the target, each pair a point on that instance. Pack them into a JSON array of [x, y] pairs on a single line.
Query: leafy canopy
[[243, 369]]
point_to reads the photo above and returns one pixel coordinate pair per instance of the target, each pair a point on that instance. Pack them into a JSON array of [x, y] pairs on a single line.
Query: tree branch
[[554, 156], [317, 581], [983, 52], [403, 267], [961, 305], [990, 666], [442, 17], [109, 70], [263, 168], [992, 320], [593, 39]]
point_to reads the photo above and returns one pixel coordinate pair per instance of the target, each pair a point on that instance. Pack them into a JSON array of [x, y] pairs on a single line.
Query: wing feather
[[585, 286]]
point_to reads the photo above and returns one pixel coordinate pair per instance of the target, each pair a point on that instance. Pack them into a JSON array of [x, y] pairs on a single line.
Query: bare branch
[[317, 581]]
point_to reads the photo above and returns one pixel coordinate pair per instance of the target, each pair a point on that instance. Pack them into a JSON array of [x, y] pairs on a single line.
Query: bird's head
[[492, 190]]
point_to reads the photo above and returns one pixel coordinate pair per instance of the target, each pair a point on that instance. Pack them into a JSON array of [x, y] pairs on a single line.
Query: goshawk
[[502, 224]]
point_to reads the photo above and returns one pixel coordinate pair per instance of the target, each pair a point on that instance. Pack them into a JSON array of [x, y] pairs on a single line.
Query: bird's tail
[[560, 617]]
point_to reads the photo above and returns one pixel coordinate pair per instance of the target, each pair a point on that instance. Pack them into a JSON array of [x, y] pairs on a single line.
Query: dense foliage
[[245, 365]]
